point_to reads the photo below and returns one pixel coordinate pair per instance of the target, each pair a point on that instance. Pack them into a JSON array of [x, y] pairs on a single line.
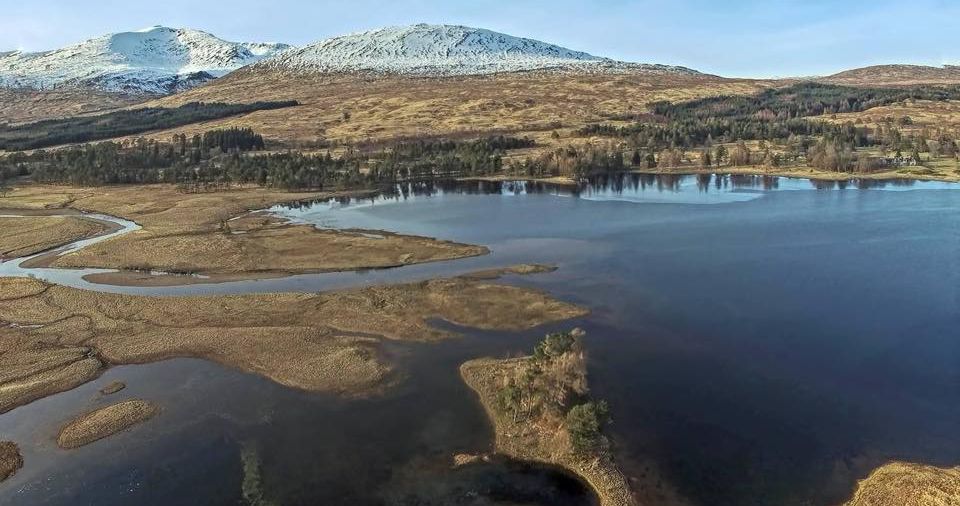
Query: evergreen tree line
[[82, 129], [785, 117], [224, 157]]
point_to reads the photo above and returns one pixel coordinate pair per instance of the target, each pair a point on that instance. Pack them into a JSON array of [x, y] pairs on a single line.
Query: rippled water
[[763, 340]]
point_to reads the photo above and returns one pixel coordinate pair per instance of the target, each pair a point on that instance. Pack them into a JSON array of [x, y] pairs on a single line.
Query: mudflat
[[104, 422], [62, 337]]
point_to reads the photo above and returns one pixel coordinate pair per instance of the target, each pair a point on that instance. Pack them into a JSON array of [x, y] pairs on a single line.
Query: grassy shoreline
[[29, 235], [544, 438], [221, 236], [62, 337]]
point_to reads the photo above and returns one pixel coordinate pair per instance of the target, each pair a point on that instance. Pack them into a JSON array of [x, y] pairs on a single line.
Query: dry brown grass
[[23, 106], [905, 484], [932, 115], [896, 75], [10, 459], [384, 108], [26, 236], [196, 233], [63, 337], [104, 422], [263, 246]]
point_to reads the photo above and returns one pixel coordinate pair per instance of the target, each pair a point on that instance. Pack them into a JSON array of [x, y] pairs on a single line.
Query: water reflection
[[631, 187]]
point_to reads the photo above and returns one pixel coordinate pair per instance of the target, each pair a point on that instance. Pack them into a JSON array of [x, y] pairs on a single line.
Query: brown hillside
[[24, 106], [366, 108], [896, 75]]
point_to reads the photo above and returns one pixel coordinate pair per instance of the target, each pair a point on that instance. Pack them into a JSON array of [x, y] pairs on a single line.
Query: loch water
[[759, 340]]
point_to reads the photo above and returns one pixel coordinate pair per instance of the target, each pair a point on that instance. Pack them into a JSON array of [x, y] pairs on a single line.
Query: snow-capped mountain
[[443, 50], [156, 60]]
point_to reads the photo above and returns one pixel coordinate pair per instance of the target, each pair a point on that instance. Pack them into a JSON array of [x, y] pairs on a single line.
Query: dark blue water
[[768, 348], [760, 341]]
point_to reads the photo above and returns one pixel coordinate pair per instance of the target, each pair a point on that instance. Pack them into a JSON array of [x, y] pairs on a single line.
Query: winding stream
[[18, 267]]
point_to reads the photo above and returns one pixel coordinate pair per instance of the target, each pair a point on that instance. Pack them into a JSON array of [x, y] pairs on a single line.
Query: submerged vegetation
[[10, 459]]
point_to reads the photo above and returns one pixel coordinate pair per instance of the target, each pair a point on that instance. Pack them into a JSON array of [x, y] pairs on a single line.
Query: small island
[[104, 422], [541, 412]]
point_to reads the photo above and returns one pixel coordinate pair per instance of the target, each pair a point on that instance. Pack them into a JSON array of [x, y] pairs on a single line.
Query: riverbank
[[539, 435], [55, 338], [27, 235], [215, 237]]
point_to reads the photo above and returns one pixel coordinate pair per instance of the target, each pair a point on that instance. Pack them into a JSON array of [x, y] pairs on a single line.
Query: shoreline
[[607, 482], [324, 342], [227, 237], [810, 174]]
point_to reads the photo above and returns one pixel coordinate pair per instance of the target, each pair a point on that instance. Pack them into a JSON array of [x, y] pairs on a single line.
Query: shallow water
[[762, 346]]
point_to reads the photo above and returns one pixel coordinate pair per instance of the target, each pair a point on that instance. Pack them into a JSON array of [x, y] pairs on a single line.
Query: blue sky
[[733, 38]]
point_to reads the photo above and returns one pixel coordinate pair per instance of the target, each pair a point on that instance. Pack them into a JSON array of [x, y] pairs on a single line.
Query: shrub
[[584, 422]]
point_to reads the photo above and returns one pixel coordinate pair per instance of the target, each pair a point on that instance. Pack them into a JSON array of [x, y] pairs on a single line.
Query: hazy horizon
[[738, 39]]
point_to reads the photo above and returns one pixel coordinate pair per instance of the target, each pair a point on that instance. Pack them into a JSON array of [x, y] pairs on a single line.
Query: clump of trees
[[551, 386], [224, 157], [585, 423], [575, 161], [786, 118]]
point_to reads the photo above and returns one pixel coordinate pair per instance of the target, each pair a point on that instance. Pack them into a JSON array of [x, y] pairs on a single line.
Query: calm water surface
[[762, 340]]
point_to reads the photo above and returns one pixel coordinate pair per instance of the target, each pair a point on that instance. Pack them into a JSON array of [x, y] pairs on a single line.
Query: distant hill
[[444, 50], [894, 75], [156, 60]]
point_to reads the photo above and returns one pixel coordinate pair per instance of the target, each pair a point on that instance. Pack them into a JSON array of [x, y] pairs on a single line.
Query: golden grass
[[26, 236], [23, 106], [927, 114], [64, 337], [906, 484], [269, 247], [104, 422], [385, 108], [895, 75], [197, 233]]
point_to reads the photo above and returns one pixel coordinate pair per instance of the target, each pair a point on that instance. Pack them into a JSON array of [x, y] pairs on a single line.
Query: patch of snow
[[155, 60], [444, 50]]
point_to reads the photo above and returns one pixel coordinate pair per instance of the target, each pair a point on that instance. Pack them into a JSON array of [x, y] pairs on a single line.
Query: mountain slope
[[891, 75], [442, 50], [157, 60]]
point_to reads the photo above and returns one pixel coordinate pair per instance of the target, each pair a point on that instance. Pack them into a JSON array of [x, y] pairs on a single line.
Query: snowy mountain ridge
[[155, 60], [443, 50]]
